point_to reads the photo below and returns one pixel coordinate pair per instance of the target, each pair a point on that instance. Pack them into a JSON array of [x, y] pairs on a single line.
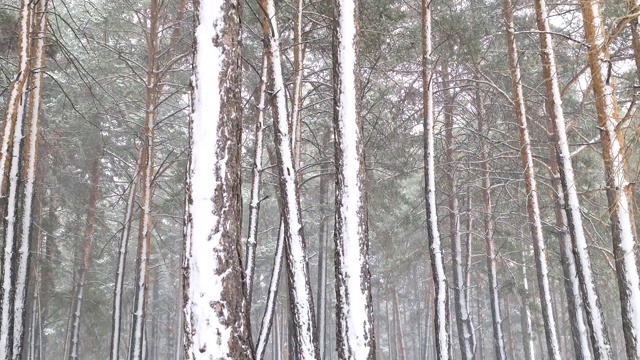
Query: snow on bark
[[618, 187], [533, 208], [525, 318], [490, 251], [254, 202], [272, 297], [29, 167], [435, 246], [16, 98], [305, 337], [122, 257], [355, 336], [466, 335], [581, 264], [215, 306]]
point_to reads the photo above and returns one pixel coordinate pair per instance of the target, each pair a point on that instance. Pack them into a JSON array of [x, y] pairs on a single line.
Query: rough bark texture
[[215, 307], [618, 187], [354, 307], [533, 208]]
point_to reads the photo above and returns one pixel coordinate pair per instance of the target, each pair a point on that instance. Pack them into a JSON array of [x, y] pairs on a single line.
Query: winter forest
[[319, 179]]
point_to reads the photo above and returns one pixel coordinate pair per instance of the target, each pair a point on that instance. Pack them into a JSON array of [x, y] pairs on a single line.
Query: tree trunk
[[619, 190], [525, 314], [301, 298], [354, 317], [435, 246], [256, 181], [122, 259], [321, 298], [533, 208], [466, 335], [397, 326], [216, 318], [498, 337], [566, 189], [83, 271]]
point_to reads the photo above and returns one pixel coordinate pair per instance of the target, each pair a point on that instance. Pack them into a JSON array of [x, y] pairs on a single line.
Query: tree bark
[[300, 295], [354, 316], [435, 246], [466, 335], [533, 208], [216, 318], [496, 318], [619, 191], [572, 217]]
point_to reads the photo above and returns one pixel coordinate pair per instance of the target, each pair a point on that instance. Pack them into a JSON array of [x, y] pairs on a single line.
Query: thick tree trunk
[[435, 246], [354, 317], [83, 270], [300, 295], [216, 318], [619, 191], [466, 335], [496, 318], [533, 208], [581, 264]]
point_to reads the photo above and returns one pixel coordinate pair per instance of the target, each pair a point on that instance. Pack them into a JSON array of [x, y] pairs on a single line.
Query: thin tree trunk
[[354, 316], [116, 317], [466, 335], [435, 246], [272, 296], [321, 298], [301, 298], [397, 327], [216, 318], [256, 180], [569, 270], [533, 208], [525, 314], [498, 337], [83, 271], [566, 189], [619, 191], [633, 7]]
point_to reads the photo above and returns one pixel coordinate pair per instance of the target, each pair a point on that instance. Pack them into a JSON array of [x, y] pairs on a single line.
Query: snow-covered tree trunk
[[147, 175], [116, 317], [579, 331], [533, 208], [15, 103], [354, 317], [466, 335], [619, 191], [272, 297], [28, 168], [581, 264], [300, 295], [215, 307], [256, 182], [525, 314], [490, 249], [435, 245]]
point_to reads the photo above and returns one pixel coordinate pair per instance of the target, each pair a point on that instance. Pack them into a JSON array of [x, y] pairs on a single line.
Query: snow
[[210, 334], [300, 288], [351, 212]]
